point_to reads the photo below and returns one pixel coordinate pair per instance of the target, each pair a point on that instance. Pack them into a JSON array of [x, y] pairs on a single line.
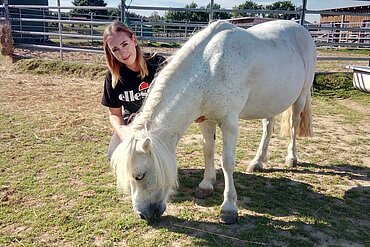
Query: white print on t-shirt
[[129, 96]]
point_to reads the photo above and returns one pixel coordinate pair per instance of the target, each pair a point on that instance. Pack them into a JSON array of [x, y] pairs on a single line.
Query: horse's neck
[[178, 108]]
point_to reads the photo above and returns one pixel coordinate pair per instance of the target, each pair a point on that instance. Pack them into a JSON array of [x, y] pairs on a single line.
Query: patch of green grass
[[162, 44], [348, 50], [78, 69], [337, 85]]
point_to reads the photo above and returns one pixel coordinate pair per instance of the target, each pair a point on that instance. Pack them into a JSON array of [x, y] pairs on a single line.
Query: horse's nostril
[[142, 216]]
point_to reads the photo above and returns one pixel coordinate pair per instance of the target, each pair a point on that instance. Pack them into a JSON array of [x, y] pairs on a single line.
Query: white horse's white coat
[[222, 73]]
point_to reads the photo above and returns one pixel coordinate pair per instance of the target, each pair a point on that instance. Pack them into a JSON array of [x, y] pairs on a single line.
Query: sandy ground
[[72, 101], [80, 56]]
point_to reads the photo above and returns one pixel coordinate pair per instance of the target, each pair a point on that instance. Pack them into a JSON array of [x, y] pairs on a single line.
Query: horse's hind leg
[[205, 188], [295, 118], [261, 156], [229, 127]]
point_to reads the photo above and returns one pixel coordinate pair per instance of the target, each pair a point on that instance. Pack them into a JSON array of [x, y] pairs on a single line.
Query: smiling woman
[[128, 78]]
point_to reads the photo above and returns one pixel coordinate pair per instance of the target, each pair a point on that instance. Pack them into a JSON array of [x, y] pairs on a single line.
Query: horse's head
[[145, 166]]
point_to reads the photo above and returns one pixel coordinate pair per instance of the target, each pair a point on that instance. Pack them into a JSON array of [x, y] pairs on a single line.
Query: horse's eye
[[140, 177]]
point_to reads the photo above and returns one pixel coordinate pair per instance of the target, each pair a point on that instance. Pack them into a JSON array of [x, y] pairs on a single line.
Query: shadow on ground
[[281, 211]]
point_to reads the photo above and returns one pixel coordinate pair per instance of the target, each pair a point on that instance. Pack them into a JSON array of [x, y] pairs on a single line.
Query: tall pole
[[123, 11], [60, 31], [210, 17], [303, 12], [6, 12]]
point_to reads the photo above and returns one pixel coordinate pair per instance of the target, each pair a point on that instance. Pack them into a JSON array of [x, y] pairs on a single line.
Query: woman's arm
[[116, 120]]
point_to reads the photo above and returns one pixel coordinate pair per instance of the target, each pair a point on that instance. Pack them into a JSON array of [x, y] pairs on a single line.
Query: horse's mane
[[163, 78], [123, 156]]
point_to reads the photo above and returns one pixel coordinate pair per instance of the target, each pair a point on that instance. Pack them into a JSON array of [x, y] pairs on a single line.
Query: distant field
[[170, 49], [57, 189]]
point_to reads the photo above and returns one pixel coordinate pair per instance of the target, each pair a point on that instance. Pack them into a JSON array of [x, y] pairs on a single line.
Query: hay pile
[[6, 40]]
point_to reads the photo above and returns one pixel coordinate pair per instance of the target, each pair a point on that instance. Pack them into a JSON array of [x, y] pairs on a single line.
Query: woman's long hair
[[113, 64]]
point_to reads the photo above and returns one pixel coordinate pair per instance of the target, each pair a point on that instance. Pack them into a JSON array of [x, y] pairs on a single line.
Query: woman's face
[[123, 48]]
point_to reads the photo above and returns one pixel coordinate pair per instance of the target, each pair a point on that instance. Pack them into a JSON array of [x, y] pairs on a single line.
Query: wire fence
[[59, 28]]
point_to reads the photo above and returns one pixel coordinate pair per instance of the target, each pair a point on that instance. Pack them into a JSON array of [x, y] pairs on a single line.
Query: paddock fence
[[57, 28]]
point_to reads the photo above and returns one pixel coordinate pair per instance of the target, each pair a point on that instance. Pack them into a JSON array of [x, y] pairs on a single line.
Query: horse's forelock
[[165, 165], [122, 162]]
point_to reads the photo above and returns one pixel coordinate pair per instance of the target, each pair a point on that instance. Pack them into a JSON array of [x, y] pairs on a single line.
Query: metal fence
[[56, 27]]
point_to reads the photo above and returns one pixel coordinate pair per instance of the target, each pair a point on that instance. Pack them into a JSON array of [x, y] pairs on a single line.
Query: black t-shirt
[[131, 90]]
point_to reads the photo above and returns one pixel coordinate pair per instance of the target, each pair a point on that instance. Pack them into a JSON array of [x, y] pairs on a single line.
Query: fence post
[[60, 31], [123, 11], [210, 17], [91, 26], [6, 12], [44, 24], [303, 12], [20, 24], [141, 27]]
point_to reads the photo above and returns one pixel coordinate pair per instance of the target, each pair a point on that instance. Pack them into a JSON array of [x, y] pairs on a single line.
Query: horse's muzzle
[[153, 212]]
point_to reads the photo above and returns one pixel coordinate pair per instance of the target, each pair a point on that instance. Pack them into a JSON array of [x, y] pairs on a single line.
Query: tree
[[196, 16], [219, 15], [282, 5], [155, 16], [187, 15], [247, 5], [84, 12]]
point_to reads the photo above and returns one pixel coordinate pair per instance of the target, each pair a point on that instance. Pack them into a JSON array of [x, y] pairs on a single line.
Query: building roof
[[343, 9]]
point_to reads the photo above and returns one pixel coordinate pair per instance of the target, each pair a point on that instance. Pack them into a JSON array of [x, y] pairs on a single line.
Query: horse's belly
[[271, 99], [250, 112]]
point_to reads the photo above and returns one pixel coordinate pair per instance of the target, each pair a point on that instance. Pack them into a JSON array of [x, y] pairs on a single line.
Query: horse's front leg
[[205, 188], [229, 127], [261, 156]]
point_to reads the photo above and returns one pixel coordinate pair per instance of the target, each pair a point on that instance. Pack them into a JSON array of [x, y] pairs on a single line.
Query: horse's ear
[[143, 146]]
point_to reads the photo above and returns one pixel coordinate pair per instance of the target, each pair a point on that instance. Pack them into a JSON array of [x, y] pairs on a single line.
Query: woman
[[128, 77]]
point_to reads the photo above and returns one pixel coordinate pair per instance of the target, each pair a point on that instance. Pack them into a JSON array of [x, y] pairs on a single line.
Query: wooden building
[[338, 19]]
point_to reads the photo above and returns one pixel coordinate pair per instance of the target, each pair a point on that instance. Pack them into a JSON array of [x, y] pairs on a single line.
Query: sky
[[227, 4]]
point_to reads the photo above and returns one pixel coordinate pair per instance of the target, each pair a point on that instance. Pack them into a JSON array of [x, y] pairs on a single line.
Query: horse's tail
[[305, 126]]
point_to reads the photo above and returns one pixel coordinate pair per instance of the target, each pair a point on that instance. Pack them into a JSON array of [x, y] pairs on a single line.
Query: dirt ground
[[335, 161]]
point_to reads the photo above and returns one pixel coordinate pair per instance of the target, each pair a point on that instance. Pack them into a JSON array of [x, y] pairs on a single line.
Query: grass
[[57, 189]]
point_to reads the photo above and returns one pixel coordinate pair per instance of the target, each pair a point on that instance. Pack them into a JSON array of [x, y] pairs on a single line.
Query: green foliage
[[282, 5], [187, 15], [247, 5], [203, 16], [219, 15], [196, 16], [84, 12]]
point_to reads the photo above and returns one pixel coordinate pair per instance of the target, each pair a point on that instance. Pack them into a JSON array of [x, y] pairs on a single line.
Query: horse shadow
[[277, 210]]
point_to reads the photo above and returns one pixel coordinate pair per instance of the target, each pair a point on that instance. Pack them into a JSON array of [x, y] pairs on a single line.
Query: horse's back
[[265, 62]]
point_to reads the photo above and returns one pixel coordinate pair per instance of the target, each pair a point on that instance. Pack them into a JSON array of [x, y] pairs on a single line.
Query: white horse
[[221, 74]]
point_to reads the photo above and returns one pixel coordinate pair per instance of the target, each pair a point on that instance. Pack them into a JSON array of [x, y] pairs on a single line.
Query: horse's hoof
[[254, 168], [203, 193], [291, 162], [228, 217]]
